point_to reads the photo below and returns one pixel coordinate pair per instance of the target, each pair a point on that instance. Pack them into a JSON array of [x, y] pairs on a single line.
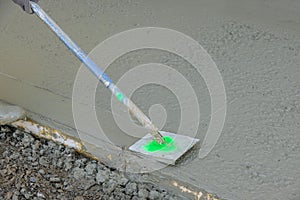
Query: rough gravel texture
[[33, 168]]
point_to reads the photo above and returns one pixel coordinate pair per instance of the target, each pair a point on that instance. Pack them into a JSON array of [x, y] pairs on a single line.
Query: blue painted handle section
[[76, 50]]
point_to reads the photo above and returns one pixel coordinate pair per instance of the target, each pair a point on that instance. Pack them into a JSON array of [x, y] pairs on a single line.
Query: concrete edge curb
[[10, 113]]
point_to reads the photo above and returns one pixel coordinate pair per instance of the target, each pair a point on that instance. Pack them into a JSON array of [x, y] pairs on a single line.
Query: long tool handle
[[84, 58]]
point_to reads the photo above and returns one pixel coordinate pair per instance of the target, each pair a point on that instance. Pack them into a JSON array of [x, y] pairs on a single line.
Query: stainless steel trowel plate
[[182, 144]]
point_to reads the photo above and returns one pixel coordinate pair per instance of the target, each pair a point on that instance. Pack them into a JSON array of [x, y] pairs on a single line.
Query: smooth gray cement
[[255, 44]]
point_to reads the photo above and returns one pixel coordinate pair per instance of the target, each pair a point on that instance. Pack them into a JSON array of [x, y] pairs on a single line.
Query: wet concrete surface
[[256, 46]]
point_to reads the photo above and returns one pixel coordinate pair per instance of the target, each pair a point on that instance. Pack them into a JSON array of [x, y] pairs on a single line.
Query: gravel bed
[[34, 168]]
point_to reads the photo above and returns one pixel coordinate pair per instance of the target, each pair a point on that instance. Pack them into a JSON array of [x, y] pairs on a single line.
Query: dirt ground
[[31, 168]]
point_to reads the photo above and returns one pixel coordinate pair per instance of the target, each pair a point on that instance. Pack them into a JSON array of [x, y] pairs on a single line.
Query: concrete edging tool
[[165, 145]]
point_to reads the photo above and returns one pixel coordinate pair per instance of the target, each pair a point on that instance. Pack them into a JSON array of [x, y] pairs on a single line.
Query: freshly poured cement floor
[[255, 44]]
